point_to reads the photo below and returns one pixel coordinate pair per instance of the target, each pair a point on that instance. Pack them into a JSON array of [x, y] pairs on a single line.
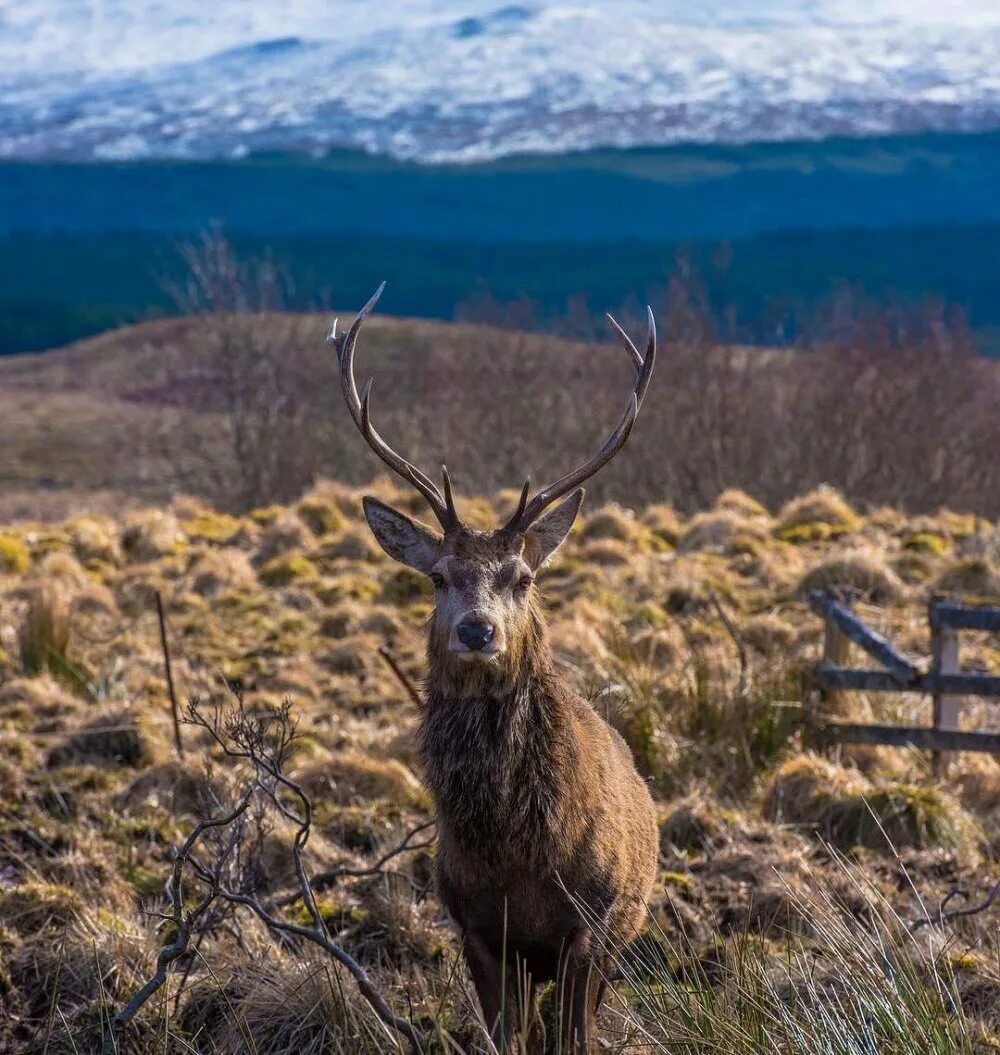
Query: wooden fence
[[944, 681]]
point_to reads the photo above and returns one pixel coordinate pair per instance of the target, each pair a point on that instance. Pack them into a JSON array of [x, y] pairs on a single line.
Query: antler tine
[[360, 408], [644, 371], [630, 347], [449, 496], [626, 340], [519, 512]]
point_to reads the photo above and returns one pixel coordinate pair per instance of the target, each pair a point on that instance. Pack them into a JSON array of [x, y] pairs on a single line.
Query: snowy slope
[[463, 80]]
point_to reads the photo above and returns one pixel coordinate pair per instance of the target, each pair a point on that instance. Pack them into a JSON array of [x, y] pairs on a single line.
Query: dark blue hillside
[[85, 246], [687, 192]]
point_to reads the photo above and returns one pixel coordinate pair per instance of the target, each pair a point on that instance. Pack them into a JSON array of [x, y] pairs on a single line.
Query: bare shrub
[[889, 407]]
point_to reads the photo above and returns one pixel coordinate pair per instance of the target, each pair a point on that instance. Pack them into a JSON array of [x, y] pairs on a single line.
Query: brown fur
[[546, 831]]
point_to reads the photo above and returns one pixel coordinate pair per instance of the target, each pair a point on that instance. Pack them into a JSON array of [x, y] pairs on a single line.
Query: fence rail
[[945, 682]]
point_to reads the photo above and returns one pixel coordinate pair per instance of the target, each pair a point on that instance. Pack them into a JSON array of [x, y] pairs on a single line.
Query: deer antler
[[527, 512], [443, 505]]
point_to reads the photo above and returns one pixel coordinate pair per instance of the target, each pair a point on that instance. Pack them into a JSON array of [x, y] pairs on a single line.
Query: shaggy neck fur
[[490, 738]]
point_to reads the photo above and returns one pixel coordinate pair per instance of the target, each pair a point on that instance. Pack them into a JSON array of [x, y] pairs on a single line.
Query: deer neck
[[489, 744]]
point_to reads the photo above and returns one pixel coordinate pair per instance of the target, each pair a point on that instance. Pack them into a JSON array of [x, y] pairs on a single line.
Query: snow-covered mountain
[[465, 80]]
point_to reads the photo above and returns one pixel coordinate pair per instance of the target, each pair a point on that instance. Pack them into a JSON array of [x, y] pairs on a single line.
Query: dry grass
[[294, 602]]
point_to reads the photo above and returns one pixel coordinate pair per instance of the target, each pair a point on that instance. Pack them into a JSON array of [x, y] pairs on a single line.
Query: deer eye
[[437, 580], [524, 582]]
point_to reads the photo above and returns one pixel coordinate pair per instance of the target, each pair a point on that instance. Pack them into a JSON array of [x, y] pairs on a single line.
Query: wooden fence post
[[947, 709], [836, 652]]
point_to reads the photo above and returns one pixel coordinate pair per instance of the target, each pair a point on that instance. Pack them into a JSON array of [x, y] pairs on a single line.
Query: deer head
[[483, 581]]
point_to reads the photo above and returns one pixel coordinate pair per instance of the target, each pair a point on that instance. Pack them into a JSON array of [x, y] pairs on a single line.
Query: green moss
[[821, 514], [15, 557], [347, 587], [322, 518], [288, 568], [926, 542], [335, 913], [799, 534], [217, 528], [266, 514], [680, 880], [651, 614]]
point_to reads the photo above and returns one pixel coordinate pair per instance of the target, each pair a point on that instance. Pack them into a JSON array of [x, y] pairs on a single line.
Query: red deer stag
[[540, 809]]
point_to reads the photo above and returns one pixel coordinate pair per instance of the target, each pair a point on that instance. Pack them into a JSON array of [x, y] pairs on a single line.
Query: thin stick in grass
[[168, 669]]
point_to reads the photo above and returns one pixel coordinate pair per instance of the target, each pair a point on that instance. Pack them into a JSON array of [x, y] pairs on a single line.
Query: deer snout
[[475, 634]]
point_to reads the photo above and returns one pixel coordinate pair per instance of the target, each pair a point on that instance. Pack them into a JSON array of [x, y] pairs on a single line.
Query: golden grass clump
[[355, 542], [34, 907], [215, 571], [693, 825], [735, 501], [609, 522], [477, 513], [321, 516], [768, 633], [103, 955], [718, 532], [926, 542], [814, 517], [181, 787], [847, 809], [149, 534], [95, 539], [403, 586], [862, 569], [15, 556], [663, 522], [285, 534], [288, 1005], [45, 632], [351, 777], [607, 553], [117, 738], [973, 576], [914, 568]]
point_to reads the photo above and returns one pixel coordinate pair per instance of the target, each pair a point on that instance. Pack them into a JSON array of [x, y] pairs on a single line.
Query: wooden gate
[[897, 672]]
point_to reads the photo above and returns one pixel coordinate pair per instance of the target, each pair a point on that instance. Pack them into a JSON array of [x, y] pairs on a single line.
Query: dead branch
[[944, 916], [323, 880], [262, 740], [185, 922], [404, 679], [743, 685]]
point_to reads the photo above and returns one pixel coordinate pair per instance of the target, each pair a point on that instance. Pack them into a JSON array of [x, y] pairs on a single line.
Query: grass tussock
[[864, 570], [816, 517], [848, 810]]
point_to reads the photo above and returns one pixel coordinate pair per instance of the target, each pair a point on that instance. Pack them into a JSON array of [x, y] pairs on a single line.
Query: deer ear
[[403, 539], [549, 532]]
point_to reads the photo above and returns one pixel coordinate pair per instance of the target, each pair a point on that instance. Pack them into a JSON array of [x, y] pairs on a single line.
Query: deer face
[[483, 582]]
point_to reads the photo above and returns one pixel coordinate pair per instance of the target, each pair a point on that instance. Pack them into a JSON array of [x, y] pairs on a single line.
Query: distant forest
[[774, 237]]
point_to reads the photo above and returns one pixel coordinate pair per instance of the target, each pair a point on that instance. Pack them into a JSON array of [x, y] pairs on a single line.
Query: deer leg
[[496, 987], [600, 992]]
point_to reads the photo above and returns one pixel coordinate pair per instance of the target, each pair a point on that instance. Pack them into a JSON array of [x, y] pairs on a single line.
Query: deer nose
[[474, 634]]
